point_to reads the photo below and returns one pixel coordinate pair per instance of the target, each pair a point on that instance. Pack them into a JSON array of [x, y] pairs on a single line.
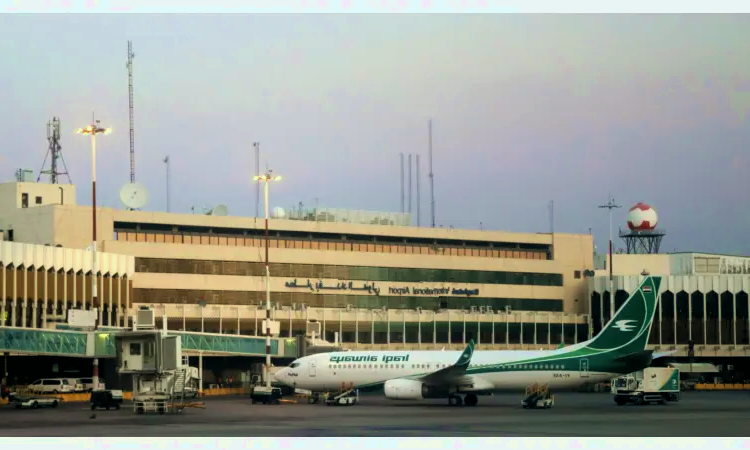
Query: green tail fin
[[465, 358], [629, 329], [562, 345]]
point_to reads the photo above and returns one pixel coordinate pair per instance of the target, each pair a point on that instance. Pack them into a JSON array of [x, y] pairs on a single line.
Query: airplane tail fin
[[562, 345], [465, 358], [629, 329]]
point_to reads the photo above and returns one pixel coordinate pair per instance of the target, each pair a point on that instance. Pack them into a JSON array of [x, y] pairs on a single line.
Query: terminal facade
[[381, 284], [368, 285]]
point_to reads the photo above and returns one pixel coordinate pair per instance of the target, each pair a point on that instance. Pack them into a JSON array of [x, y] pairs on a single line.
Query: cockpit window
[[294, 364]]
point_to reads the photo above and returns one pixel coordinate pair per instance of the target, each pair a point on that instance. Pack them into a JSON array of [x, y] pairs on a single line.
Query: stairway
[[177, 397]]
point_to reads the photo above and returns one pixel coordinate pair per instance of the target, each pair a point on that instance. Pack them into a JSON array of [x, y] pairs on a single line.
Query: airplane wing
[[457, 370], [663, 354]]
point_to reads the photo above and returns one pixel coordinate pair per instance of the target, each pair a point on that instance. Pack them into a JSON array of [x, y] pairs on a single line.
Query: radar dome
[[642, 217], [278, 213]]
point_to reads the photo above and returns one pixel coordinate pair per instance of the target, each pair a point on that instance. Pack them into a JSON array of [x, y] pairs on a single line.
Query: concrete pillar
[[35, 302], [56, 302], [25, 304], [3, 313], [200, 374], [705, 322], [110, 314], [120, 315], [14, 305], [45, 302], [734, 319], [99, 280], [95, 378]]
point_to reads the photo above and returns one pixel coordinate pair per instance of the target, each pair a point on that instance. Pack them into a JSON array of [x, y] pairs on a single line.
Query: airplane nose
[[280, 375]]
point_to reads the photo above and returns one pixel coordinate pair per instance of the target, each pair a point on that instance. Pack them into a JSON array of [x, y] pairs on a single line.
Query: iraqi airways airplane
[[461, 377]]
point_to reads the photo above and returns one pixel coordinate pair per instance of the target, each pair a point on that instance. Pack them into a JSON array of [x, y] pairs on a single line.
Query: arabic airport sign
[[372, 289]]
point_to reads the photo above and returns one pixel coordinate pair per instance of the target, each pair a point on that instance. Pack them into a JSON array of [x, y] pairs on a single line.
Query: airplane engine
[[403, 390], [412, 390]]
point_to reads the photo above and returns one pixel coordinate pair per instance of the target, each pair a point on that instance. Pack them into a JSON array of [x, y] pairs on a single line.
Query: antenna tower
[[409, 183], [402, 184], [54, 152], [419, 204], [432, 182], [129, 66], [256, 145]]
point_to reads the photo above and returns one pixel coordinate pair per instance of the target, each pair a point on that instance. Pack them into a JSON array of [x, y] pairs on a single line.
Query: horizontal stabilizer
[[663, 354], [642, 359]]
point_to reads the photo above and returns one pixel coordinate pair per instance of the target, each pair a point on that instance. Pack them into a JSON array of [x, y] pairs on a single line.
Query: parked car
[[52, 386]]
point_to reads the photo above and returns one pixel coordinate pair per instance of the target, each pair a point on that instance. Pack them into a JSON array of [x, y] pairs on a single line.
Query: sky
[[526, 109]]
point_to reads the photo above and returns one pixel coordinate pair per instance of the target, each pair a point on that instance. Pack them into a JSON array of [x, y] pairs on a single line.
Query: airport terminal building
[[364, 280], [367, 279]]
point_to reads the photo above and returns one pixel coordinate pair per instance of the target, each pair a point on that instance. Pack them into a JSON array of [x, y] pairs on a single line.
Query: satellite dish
[[133, 196], [218, 210]]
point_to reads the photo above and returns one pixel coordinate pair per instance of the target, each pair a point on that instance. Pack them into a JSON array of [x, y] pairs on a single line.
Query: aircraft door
[[584, 368], [312, 368]]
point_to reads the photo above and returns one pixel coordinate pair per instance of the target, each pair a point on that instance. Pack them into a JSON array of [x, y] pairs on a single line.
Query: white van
[[52, 386], [87, 384]]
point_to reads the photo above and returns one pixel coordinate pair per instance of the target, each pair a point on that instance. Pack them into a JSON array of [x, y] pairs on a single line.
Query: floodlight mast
[[266, 178], [610, 205], [93, 130]]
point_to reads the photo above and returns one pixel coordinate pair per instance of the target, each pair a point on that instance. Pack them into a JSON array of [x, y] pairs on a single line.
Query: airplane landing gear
[[471, 400], [455, 400]]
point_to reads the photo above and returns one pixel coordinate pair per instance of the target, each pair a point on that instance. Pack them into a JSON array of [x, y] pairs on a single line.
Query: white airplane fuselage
[[331, 371]]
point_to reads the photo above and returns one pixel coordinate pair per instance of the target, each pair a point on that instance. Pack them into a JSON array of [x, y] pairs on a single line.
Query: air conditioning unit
[[473, 309], [294, 306], [419, 309], [303, 307], [489, 309], [348, 308], [145, 318], [481, 310]]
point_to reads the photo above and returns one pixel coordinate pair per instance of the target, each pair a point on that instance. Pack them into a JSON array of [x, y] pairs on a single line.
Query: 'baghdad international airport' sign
[[370, 288], [432, 291]]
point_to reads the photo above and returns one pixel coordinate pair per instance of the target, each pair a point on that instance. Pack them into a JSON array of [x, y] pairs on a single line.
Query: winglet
[[465, 358]]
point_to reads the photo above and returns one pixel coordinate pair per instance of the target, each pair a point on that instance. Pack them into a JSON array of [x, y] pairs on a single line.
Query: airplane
[[620, 348]]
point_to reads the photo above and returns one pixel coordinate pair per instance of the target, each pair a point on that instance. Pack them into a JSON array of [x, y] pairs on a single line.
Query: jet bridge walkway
[[101, 343]]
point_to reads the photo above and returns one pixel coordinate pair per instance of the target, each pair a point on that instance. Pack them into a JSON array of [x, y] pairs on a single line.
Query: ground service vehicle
[[33, 402], [106, 399], [538, 397], [262, 394], [650, 385]]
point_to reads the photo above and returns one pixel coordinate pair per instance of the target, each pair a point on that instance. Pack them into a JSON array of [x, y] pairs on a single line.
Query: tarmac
[[699, 414]]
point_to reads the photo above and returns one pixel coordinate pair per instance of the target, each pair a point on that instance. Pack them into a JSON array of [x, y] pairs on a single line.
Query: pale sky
[[526, 109]]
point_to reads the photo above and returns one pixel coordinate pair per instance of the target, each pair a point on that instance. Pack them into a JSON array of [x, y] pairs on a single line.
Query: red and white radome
[[642, 217]]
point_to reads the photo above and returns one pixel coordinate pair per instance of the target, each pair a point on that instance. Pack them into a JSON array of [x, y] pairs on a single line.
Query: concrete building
[[367, 279], [703, 298]]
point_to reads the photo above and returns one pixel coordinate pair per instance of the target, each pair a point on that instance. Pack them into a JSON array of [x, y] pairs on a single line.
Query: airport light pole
[[610, 205], [266, 178], [93, 130]]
